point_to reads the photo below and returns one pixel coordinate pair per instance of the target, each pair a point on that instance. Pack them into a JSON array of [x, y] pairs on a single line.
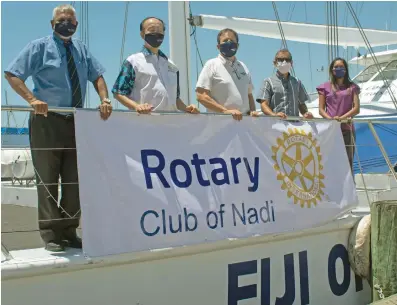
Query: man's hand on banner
[[281, 115], [255, 113], [144, 108], [237, 115], [192, 109]]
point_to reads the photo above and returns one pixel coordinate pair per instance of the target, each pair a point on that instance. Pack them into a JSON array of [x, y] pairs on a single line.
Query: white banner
[[158, 181]]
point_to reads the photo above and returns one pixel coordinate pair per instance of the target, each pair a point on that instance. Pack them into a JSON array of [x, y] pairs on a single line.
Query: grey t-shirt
[[283, 95]]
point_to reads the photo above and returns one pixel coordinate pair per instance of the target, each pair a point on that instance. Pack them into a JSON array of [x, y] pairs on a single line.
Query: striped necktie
[[74, 78]]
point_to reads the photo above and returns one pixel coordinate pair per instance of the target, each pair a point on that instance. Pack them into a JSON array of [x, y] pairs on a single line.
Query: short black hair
[[218, 38], [147, 18], [283, 51]]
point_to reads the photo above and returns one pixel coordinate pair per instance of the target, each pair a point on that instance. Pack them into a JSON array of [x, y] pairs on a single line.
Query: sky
[[22, 22]]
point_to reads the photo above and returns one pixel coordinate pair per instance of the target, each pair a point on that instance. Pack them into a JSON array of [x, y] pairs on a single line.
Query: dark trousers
[[45, 134], [349, 137]]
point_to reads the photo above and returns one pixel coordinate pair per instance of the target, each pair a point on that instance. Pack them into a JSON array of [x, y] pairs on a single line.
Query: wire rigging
[[309, 52], [194, 35], [371, 51], [127, 3], [280, 27], [124, 32], [332, 33], [84, 34]]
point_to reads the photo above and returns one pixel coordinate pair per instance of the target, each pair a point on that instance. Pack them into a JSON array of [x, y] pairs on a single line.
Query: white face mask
[[284, 67]]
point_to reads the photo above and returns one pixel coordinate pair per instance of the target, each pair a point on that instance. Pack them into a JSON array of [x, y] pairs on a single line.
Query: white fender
[[7, 159], [359, 247], [23, 166]]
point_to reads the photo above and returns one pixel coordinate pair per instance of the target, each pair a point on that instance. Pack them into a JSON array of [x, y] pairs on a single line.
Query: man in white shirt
[[225, 84], [148, 80]]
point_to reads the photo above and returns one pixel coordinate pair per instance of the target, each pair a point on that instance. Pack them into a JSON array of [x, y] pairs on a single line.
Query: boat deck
[[38, 261]]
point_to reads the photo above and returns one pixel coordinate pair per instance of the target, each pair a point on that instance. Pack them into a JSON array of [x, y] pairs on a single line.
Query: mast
[[179, 33]]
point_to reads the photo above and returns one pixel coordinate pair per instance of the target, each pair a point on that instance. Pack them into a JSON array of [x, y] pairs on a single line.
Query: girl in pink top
[[338, 100]]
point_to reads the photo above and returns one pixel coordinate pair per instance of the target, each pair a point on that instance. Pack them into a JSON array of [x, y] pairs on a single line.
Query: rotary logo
[[298, 164]]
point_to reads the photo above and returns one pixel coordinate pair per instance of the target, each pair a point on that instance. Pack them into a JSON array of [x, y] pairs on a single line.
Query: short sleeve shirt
[[283, 94], [339, 101], [229, 82], [149, 78], [45, 61]]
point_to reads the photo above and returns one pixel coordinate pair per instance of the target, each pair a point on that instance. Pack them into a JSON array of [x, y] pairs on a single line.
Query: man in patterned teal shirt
[[148, 80]]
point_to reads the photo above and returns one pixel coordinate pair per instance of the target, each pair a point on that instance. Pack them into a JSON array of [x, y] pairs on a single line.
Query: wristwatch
[[106, 100]]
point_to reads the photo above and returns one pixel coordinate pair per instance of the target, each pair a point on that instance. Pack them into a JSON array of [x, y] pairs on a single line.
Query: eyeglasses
[[283, 59], [65, 19]]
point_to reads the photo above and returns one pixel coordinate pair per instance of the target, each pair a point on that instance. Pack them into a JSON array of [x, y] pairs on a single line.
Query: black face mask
[[65, 28], [228, 49], [154, 39]]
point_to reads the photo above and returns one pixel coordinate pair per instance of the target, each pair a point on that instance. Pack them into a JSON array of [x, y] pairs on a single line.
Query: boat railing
[[18, 170]]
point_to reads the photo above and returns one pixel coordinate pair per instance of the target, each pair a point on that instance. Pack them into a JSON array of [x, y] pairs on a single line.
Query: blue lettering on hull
[[238, 293]]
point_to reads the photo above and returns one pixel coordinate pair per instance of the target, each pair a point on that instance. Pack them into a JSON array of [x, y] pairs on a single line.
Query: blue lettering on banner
[[238, 293], [212, 218], [264, 214], [153, 222], [219, 175], [172, 225]]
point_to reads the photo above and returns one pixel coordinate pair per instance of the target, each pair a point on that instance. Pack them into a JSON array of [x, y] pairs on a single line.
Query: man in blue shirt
[[60, 68]]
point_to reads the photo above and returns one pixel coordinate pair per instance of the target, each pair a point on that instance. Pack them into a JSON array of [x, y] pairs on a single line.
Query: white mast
[[179, 29]]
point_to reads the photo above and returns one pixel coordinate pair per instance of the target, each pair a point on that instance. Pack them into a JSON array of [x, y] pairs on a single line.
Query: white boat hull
[[203, 274]]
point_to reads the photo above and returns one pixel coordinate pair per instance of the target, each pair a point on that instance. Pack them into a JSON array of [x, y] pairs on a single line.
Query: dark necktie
[[74, 78]]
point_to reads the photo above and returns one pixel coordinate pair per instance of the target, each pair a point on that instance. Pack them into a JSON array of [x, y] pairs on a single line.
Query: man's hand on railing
[[105, 110], [40, 107], [308, 115]]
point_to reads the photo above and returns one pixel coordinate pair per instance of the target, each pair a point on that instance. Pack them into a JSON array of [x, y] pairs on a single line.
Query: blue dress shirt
[[44, 60]]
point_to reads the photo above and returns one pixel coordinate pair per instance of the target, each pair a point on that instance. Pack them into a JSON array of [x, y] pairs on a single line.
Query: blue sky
[[19, 25]]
